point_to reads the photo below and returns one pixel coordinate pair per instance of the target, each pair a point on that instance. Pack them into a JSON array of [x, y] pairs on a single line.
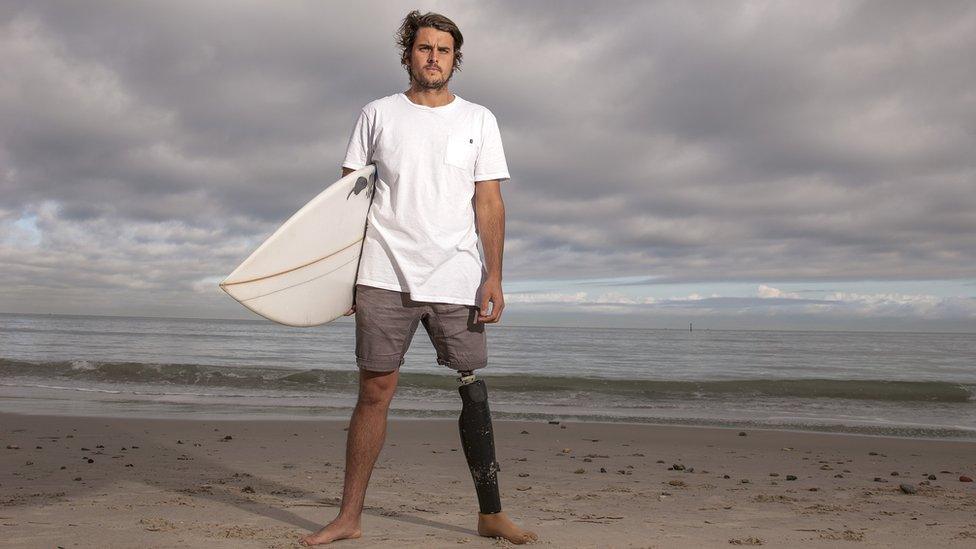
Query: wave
[[637, 389]]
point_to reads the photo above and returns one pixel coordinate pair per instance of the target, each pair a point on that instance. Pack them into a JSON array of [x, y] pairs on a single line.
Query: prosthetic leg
[[478, 441]]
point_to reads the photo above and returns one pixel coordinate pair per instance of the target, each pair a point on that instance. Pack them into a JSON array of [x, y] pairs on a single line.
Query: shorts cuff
[[463, 367], [379, 365]]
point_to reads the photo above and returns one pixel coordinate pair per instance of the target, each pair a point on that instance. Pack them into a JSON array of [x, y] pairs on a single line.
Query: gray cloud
[[145, 148]]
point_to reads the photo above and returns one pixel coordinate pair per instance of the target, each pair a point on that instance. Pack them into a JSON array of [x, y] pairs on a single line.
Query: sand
[[124, 482]]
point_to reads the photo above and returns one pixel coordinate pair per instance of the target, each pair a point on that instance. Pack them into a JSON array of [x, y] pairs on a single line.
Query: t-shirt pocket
[[461, 152]]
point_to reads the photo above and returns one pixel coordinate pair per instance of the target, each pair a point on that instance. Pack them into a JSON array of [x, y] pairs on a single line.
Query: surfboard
[[304, 274]]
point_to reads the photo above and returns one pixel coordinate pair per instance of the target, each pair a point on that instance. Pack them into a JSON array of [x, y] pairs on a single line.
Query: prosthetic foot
[[478, 441]]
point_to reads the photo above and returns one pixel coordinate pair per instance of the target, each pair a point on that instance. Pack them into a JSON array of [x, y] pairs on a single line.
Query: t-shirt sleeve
[[491, 162], [359, 150]]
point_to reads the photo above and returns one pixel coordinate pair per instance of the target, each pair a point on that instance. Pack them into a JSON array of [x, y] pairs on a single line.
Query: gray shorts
[[386, 321]]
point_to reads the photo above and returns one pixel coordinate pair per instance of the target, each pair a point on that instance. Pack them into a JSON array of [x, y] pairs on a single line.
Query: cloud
[[916, 306], [769, 301], [768, 292], [146, 148]]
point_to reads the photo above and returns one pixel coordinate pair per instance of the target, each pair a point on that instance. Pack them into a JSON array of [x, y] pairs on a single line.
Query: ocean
[[919, 385]]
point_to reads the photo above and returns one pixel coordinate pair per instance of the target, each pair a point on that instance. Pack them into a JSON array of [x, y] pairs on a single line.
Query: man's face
[[432, 58]]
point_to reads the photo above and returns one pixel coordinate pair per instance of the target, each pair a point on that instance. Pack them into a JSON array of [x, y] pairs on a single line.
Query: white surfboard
[[305, 273]]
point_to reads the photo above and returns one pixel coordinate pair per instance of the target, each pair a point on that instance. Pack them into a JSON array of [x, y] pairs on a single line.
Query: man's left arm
[[489, 212]]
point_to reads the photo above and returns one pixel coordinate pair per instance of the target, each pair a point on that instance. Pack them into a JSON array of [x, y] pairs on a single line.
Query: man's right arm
[[345, 172]]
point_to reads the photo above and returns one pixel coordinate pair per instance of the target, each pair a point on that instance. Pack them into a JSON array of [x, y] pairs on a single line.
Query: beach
[[124, 482]]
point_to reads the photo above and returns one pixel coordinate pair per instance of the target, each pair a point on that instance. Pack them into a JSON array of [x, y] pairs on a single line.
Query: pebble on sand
[[907, 488], [964, 478], [746, 541]]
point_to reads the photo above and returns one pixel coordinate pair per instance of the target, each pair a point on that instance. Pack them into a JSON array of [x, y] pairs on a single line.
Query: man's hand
[[352, 310], [491, 291]]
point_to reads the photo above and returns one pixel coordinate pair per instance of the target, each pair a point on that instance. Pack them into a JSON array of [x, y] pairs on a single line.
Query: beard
[[431, 82]]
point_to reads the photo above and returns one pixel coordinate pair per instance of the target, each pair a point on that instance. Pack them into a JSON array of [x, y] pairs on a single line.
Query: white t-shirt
[[421, 236]]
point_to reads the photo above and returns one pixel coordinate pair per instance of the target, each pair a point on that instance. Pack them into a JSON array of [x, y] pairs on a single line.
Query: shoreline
[[167, 482], [406, 414], [690, 424]]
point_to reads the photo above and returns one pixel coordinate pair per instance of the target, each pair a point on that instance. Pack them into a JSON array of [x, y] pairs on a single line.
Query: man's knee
[[377, 388]]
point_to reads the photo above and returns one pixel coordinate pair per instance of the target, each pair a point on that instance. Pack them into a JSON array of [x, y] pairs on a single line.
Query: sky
[[749, 165]]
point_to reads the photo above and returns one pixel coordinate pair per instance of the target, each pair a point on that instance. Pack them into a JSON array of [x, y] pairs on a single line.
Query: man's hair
[[413, 22]]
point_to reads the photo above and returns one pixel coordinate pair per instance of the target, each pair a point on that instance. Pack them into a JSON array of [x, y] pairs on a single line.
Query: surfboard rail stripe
[[313, 262], [295, 285]]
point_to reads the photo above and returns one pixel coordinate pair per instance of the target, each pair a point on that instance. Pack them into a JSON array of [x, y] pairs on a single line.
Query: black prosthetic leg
[[478, 441]]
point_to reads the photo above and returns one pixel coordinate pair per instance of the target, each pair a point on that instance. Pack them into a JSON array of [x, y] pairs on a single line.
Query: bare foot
[[498, 525], [333, 531]]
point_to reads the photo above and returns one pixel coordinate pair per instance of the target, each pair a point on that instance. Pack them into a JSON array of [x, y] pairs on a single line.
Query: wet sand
[[116, 482]]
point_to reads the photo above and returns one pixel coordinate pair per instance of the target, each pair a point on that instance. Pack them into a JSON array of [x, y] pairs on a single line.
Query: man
[[439, 162]]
